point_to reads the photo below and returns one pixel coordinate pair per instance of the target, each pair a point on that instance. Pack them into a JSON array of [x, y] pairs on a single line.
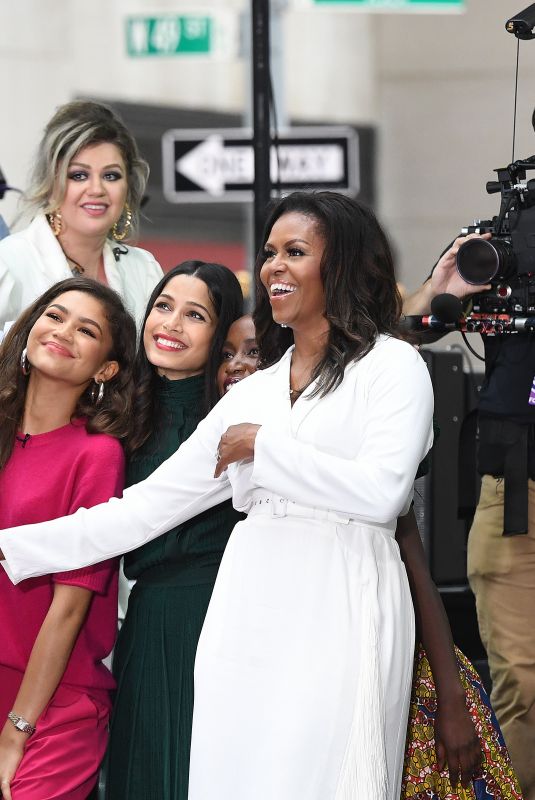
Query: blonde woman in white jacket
[[85, 194], [304, 665]]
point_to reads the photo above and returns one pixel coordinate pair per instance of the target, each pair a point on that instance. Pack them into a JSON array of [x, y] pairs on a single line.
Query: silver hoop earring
[[98, 396], [24, 363]]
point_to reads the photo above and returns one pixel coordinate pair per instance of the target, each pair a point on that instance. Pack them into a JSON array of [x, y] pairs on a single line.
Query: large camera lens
[[479, 261]]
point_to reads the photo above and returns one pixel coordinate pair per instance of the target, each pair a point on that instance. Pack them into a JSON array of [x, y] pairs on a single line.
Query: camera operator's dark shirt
[[509, 371]]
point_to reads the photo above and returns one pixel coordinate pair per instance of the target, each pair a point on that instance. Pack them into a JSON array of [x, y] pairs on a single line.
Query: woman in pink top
[[65, 381]]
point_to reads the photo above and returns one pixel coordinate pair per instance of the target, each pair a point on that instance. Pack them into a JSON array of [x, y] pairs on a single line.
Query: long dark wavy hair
[[226, 296], [112, 414], [361, 296]]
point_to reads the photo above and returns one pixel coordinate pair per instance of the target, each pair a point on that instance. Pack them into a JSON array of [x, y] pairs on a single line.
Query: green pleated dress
[[148, 753]]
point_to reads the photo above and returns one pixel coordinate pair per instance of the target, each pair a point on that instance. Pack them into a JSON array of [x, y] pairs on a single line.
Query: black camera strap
[[504, 452]]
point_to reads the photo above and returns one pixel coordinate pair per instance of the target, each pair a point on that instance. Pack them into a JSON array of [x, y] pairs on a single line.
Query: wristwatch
[[20, 723]]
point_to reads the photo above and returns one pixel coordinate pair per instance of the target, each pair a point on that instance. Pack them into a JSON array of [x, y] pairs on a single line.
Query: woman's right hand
[[236, 444], [456, 742], [12, 743], [446, 279]]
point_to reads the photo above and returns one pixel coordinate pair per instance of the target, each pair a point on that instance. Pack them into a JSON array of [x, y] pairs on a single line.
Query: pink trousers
[[62, 758]]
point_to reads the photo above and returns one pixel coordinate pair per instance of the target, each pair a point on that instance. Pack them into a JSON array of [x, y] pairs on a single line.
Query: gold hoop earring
[[120, 234], [55, 220]]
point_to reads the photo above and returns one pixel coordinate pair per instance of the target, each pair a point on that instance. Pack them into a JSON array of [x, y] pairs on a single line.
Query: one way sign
[[217, 165]]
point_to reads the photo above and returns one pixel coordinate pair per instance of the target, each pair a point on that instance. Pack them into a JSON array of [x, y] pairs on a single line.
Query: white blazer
[[355, 451], [31, 260]]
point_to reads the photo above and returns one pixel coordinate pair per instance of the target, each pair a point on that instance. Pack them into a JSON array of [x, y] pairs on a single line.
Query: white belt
[[276, 506]]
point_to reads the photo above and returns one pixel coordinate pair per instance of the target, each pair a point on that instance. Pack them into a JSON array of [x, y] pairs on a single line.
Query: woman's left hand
[[236, 444], [11, 751], [456, 743]]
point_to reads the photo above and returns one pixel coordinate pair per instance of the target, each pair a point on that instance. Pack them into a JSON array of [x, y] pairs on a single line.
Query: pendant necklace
[[77, 268], [297, 392]]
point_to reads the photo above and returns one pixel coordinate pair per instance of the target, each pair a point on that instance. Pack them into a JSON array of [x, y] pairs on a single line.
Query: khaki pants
[[501, 571]]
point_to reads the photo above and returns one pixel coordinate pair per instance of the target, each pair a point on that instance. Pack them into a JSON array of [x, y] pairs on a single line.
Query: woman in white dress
[[304, 665]]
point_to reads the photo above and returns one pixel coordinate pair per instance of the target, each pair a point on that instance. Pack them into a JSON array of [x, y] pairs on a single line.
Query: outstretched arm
[[455, 737], [182, 487]]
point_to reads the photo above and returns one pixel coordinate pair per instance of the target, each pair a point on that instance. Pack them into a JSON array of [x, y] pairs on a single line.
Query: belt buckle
[[336, 516], [279, 506]]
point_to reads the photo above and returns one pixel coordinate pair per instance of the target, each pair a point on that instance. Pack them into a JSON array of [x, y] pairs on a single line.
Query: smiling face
[[239, 357], [71, 341], [96, 191], [179, 329], [291, 272]]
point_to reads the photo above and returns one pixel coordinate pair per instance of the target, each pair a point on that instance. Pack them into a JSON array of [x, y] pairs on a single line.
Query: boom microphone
[[446, 312]]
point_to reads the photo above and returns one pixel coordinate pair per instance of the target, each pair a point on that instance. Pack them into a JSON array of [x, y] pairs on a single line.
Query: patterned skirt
[[422, 779]]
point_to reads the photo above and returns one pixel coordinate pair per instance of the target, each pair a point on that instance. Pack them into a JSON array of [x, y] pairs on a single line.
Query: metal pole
[[261, 120]]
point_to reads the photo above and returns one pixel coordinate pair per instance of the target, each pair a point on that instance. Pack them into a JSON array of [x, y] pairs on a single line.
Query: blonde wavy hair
[[74, 126]]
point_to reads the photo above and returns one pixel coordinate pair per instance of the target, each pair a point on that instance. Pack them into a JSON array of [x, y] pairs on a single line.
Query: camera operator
[[501, 545]]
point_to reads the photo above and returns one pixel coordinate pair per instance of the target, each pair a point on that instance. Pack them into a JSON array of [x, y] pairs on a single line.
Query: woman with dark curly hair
[[185, 325], [65, 389], [303, 670]]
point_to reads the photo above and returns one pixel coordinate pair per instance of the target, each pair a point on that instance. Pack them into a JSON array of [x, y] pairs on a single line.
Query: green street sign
[[395, 5], [169, 35]]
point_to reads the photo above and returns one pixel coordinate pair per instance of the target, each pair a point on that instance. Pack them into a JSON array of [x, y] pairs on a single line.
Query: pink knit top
[[51, 475]]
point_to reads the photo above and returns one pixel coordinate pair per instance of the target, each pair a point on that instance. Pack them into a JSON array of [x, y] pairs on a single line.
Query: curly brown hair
[[361, 296], [112, 415]]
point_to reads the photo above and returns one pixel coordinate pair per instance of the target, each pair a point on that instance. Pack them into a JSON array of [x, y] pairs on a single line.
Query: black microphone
[[23, 439], [447, 307], [446, 311]]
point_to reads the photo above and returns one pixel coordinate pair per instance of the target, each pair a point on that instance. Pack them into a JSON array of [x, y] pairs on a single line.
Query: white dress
[[31, 260], [303, 670]]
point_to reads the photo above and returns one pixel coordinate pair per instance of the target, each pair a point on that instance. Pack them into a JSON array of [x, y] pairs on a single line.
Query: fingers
[[464, 764], [220, 467], [454, 772], [6, 789], [221, 462], [454, 249], [470, 763], [236, 444], [441, 755]]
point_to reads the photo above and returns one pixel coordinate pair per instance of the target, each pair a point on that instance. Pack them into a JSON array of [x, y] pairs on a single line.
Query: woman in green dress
[[184, 329]]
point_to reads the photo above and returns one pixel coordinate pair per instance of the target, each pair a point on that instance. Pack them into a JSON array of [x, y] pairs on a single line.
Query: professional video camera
[[507, 259]]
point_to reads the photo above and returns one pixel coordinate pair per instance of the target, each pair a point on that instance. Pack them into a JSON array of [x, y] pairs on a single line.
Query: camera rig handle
[[522, 24]]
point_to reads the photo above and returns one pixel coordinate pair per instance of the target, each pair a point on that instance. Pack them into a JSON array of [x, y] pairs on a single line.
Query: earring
[[24, 363], [55, 220], [97, 397], [283, 325], [118, 234]]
